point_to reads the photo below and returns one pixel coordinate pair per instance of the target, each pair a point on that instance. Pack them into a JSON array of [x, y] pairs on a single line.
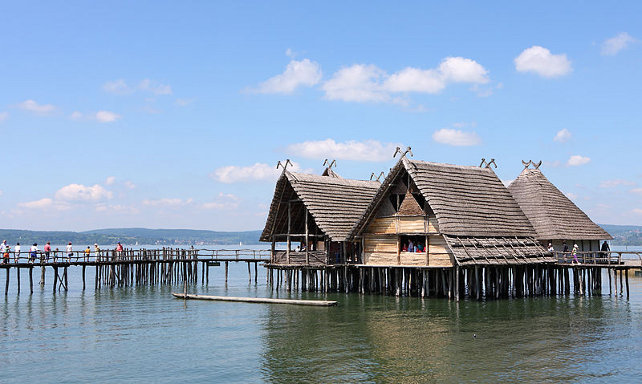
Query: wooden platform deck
[[131, 266]]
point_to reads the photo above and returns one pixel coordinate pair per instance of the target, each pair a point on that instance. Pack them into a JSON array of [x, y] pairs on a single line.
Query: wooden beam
[[307, 232], [289, 229]]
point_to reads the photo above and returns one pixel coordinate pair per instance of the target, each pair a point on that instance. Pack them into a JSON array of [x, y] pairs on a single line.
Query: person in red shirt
[[47, 250]]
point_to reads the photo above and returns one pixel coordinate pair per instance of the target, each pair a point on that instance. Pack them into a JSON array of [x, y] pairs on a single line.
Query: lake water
[[142, 334]]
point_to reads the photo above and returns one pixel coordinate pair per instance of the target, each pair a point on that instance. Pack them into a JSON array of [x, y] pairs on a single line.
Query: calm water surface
[[142, 334]]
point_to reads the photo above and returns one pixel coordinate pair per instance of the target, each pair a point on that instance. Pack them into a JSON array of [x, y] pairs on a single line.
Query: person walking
[[16, 252], [574, 254], [97, 251], [70, 251]]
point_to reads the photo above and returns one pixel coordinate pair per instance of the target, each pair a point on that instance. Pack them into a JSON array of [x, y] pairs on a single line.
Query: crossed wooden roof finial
[[378, 177], [531, 162], [332, 163], [403, 154], [283, 165], [487, 164]]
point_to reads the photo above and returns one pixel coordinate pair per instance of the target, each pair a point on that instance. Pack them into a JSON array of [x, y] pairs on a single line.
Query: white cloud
[[415, 80], [154, 87], [636, 191], [297, 73], [184, 102], [463, 70], [637, 211], [37, 204], [571, 195], [120, 87], [79, 192], [117, 208], [168, 202], [615, 44], [224, 201], [367, 150], [256, 172], [3, 116], [360, 83], [128, 184], [76, 115], [110, 180], [233, 173], [456, 137], [32, 106], [368, 83], [615, 183], [562, 136], [106, 116], [577, 160], [541, 61]]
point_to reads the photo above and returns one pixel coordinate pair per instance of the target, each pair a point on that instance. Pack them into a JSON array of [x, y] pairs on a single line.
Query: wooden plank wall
[[381, 242]]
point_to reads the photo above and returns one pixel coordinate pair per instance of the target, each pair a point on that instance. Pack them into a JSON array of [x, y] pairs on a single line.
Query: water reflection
[[383, 339]]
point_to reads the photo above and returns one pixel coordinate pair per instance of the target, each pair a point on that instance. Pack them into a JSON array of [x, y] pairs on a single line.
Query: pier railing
[[133, 255], [599, 258]]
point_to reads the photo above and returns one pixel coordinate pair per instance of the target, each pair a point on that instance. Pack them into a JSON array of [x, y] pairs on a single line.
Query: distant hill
[[624, 234], [132, 236]]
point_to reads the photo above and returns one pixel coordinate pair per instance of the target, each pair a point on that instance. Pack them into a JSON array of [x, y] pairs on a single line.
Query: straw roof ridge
[[553, 215]]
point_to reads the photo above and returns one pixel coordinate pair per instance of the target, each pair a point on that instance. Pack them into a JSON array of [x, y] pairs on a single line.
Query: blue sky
[[174, 114]]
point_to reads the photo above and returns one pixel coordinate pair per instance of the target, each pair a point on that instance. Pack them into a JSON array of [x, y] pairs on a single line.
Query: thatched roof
[[553, 215], [467, 200], [334, 203], [497, 251]]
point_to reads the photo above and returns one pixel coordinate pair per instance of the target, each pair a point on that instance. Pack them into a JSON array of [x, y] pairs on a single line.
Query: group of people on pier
[[47, 253], [604, 250]]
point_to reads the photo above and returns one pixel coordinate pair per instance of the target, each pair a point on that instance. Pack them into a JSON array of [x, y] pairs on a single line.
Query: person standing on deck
[[97, 251], [47, 250], [605, 248], [574, 253], [70, 251], [119, 250], [87, 253], [33, 253], [411, 246], [16, 252], [565, 251], [5, 252]]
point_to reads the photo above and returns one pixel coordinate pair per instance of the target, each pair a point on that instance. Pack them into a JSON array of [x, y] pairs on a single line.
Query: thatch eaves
[[334, 203], [553, 215]]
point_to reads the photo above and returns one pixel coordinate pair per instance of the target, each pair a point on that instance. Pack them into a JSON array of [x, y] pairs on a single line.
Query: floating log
[[265, 300]]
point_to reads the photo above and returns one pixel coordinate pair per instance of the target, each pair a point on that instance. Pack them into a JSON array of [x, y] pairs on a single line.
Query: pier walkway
[[131, 266]]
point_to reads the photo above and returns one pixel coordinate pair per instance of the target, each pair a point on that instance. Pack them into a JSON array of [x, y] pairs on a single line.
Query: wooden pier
[[131, 267], [581, 277]]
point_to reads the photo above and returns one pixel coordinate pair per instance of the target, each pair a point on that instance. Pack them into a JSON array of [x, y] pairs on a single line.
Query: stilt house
[[441, 215], [316, 213], [554, 216]]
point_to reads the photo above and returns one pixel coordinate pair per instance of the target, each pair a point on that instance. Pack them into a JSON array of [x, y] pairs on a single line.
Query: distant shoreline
[[168, 237], [623, 235]]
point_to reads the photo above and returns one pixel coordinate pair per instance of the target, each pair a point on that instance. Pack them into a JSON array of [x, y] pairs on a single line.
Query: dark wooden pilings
[[476, 282]]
